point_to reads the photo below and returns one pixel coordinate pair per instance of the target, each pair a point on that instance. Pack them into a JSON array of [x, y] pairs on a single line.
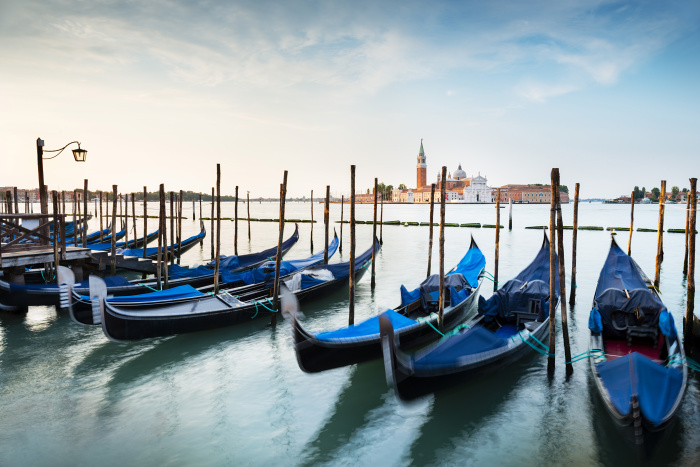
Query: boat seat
[[531, 314], [643, 332]]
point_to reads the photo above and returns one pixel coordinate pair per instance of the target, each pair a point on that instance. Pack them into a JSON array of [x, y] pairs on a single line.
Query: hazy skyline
[[161, 91]]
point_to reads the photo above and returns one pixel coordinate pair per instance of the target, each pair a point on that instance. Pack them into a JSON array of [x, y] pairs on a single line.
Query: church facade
[[458, 187]]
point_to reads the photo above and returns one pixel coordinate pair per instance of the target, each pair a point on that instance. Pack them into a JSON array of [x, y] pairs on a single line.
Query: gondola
[[176, 249], [515, 316], [248, 282], [138, 243], [122, 323], [47, 294], [637, 355], [415, 319]]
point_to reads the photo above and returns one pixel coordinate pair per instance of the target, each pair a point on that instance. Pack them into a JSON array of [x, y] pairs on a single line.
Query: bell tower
[[421, 167]]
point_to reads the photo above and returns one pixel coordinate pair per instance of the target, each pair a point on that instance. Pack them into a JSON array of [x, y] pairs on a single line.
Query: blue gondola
[[638, 357], [415, 319], [515, 316]]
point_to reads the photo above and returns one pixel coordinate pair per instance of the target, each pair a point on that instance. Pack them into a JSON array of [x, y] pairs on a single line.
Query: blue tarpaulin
[[469, 342], [656, 386], [369, 327]]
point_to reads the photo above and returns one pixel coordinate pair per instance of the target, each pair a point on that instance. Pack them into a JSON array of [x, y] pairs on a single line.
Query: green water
[[236, 396]]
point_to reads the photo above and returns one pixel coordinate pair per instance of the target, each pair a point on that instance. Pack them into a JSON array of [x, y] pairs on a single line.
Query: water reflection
[[40, 318]]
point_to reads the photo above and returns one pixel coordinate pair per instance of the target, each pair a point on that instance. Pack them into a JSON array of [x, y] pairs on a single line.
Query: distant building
[[536, 194]]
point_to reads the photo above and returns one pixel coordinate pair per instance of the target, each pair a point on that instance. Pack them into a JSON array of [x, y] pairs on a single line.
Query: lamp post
[[79, 154]]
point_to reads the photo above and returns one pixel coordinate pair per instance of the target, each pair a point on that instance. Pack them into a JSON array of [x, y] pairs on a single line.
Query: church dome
[[459, 174]]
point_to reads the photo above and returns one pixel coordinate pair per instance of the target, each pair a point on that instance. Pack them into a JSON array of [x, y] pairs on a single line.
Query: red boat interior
[[615, 348]]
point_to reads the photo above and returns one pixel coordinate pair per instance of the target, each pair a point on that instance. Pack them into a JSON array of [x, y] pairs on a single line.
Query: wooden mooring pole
[[312, 221], [574, 244], [113, 237], [441, 306], [133, 221], [381, 222], [213, 232], [374, 233], [687, 231], [430, 228], [552, 274], [101, 228], [179, 225], [690, 279], [85, 216], [326, 218], [161, 215], [660, 236], [278, 257], [351, 287], [629, 241], [510, 213], [218, 227], [56, 207], [172, 227], [562, 278], [76, 230], [235, 224], [342, 203], [145, 220], [126, 220], [247, 205], [498, 235]]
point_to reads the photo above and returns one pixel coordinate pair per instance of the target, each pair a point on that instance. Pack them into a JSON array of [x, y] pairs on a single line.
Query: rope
[[588, 354], [543, 351], [151, 288], [262, 305], [687, 361], [427, 320], [489, 277]]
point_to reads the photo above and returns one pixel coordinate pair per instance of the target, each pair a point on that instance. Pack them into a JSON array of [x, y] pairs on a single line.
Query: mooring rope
[[544, 350], [256, 302], [148, 287], [427, 321], [488, 276], [687, 361], [588, 354]]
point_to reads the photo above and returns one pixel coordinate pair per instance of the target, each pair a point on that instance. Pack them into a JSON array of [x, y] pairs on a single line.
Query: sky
[[160, 91]]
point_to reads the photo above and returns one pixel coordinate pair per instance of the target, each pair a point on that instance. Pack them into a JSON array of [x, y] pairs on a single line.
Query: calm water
[[235, 396]]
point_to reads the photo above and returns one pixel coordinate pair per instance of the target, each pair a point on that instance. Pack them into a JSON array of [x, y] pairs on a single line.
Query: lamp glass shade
[[80, 155]]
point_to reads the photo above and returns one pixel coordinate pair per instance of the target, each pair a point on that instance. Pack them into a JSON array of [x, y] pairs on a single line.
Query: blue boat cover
[[367, 328], [138, 252], [472, 341], [266, 271], [182, 291], [107, 245], [246, 261], [464, 275], [531, 283], [656, 386], [622, 295]]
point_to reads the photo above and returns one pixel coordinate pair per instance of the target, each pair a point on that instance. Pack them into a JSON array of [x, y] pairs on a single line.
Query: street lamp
[[78, 154]]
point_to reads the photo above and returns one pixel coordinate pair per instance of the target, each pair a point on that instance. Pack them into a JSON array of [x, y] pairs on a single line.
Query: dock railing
[[26, 233]]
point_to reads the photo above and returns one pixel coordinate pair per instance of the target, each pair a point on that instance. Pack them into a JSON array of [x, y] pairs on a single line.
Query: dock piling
[[113, 237], [326, 218], [629, 241], [552, 274], [562, 279], [218, 228], [498, 235], [235, 224], [430, 228], [574, 244], [351, 301], [690, 279], [441, 307], [278, 257], [687, 230], [660, 235]]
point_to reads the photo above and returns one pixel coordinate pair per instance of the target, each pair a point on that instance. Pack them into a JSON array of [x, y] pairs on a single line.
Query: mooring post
[[56, 231], [179, 226], [562, 280], [113, 248], [629, 241], [687, 230], [235, 224], [381, 222], [278, 257], [574, 243], [126, 220], [660, 236], [690, 279], [374, 234], [442, 246], [63, 202], [510, 213], [498, 238], [76, 230], [342, 203], [161, 223], [552, 273], [194, 210], [312, 221], [218, 228], [171, 256], [145, 221], [101, 228], [17, 203], [85, 216], [133, 221], [213, 202], [247, 205], [326, 216], [200, 212], [430, 229], [351, 301]]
